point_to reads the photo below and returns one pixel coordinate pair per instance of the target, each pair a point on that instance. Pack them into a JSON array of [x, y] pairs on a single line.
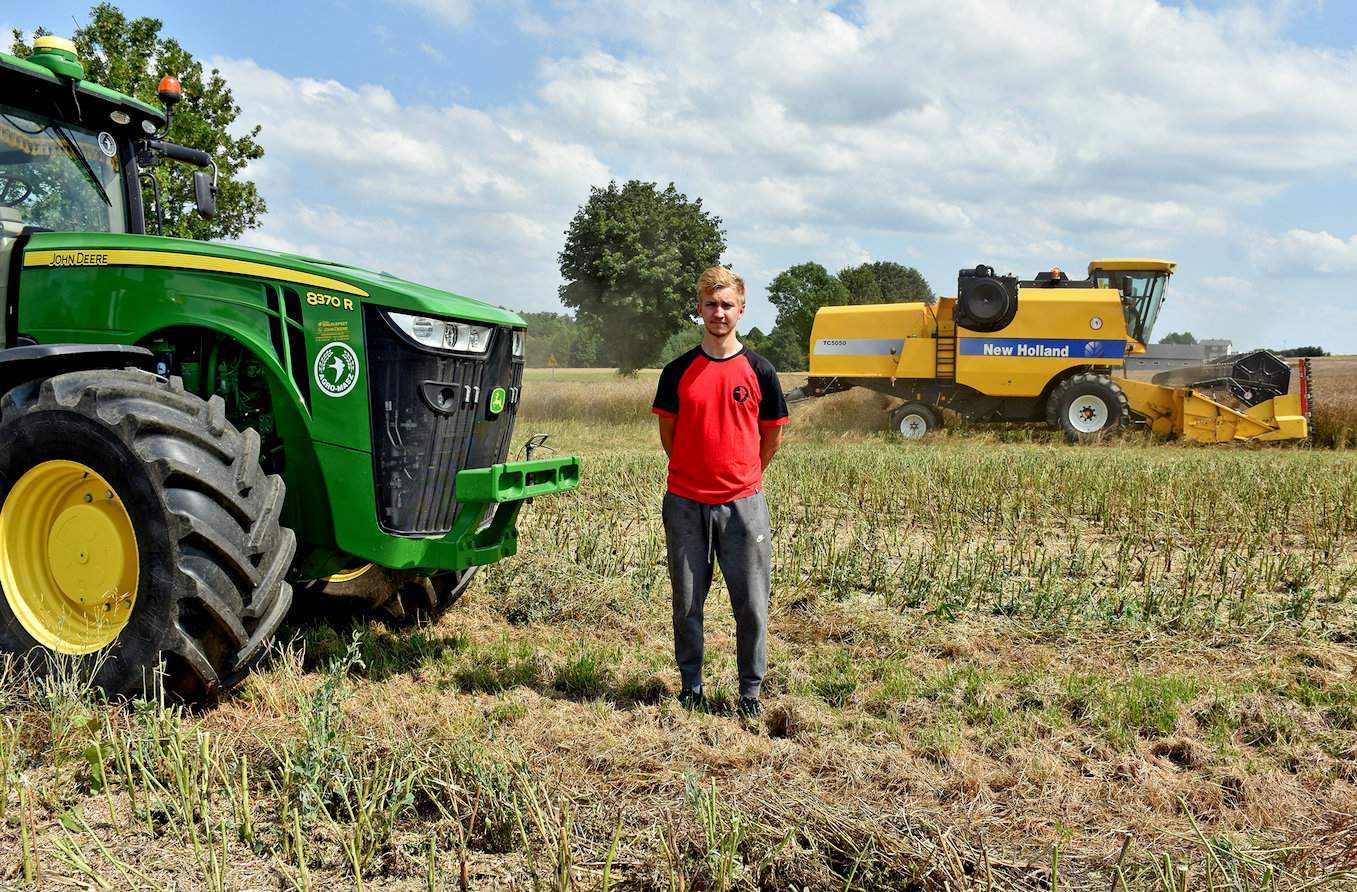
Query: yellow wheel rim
[[347, 575], [68, 557]]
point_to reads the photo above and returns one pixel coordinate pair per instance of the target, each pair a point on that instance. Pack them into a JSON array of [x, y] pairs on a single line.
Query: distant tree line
[[1178, 337], [797, 293], [630, 263], [1185, 337]]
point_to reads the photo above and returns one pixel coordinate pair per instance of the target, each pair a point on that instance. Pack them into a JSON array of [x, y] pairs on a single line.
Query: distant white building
[[1217, 347], [1161, 357]]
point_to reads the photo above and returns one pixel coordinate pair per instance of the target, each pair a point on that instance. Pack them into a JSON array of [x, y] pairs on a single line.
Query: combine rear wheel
[[136, 529], [914, 420], [1087, 407]]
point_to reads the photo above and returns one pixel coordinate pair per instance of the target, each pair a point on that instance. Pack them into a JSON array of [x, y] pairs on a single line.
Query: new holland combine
[[1050, 349], [159, 396]]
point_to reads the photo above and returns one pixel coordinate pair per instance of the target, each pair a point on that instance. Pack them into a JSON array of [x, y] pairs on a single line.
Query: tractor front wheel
[[1087, 407], [138, 534]]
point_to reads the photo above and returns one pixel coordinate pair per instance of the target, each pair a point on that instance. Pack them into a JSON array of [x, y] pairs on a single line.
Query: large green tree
[[798, 292], [885, 282], [631, 260], [131, 56]]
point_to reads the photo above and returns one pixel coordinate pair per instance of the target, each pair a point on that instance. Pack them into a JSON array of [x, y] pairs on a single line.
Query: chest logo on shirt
[[740, 393]]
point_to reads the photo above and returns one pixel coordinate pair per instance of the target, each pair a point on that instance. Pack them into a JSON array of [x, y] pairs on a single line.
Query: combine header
[[1049, 349]]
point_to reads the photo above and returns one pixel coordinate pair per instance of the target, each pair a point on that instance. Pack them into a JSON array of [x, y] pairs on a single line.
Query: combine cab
[[1050, 349], [158, 397]]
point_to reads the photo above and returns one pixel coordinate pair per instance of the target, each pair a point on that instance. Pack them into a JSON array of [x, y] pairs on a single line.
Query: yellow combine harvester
[[1050, 348]]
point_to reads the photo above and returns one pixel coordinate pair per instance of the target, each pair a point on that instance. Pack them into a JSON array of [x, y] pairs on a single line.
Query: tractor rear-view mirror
[[205, 194]]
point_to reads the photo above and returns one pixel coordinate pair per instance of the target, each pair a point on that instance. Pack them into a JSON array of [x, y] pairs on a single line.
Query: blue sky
[[451, 140]]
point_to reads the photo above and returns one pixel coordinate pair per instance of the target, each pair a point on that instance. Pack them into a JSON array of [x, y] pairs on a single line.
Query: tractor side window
[[58, 177]]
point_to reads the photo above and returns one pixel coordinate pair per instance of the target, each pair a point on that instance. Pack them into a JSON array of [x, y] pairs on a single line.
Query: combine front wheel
[[1086, 407], [136, 529]]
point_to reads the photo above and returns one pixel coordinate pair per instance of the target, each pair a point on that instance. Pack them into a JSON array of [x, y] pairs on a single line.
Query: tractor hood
[[392, 291], [306, 274]]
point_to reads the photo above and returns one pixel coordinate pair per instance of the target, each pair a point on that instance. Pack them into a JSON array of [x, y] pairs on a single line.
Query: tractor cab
[[55, 176], [67, 151], [1142, 284], [58, 176]]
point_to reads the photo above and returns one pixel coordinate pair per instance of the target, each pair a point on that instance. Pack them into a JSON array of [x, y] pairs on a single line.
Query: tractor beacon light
[[169, 90]]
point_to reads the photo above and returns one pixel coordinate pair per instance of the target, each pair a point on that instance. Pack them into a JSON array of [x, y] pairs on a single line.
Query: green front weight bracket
[[507, 485]]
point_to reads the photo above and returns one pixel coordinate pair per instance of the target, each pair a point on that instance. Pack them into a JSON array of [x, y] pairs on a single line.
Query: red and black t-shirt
[[720, 405]]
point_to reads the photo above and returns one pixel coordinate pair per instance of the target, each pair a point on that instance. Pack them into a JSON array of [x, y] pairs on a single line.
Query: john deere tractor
[[159, 396]]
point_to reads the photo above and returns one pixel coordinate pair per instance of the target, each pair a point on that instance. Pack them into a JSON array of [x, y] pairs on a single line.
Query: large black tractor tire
[[401, 598], [1087, 407], [914, 420], [122, 473]]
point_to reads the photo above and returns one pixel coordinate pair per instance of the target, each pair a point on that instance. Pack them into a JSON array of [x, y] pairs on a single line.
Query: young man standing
[[721, 413]]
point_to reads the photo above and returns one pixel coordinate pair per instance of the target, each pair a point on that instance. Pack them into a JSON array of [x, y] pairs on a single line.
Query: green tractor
[[159, 396]]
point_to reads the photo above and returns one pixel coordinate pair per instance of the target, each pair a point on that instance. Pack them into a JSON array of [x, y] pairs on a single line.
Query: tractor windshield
[[58, 176], [1142, 296]]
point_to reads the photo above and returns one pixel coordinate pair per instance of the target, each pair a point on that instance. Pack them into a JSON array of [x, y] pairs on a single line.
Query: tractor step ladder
[[945, 361]]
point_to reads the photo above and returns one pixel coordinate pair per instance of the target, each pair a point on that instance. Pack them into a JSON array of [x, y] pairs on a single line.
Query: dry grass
[[991, 664], [1335, 401]]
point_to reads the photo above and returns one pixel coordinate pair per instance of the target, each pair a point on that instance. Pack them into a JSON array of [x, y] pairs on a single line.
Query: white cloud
[[1306, 253], [451, 12], [1016, 134], [451, 196], [1114, 117], [433, 53]]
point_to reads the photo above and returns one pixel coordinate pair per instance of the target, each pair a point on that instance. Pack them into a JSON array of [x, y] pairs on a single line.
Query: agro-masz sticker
[[336, 368]]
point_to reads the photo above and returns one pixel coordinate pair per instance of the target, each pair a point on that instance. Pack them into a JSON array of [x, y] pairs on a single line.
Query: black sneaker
[[693, 699], [749, 708]]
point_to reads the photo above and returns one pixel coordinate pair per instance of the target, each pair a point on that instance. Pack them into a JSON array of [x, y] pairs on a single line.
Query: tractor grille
[[431, 419]]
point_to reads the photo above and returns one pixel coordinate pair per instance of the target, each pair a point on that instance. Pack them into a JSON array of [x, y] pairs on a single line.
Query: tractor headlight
[[519, 336], [443, 334]]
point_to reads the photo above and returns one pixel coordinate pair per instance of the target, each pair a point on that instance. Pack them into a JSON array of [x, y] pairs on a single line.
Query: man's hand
[[667, 425], [770, 440]]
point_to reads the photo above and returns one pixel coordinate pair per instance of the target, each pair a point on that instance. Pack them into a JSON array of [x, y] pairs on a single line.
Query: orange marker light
[[169, 90]]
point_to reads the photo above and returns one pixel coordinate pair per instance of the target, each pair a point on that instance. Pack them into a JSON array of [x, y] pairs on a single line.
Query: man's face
[[720, 310]]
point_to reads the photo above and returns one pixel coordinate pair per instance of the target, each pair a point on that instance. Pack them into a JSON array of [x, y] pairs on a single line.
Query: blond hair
[[716, 278]]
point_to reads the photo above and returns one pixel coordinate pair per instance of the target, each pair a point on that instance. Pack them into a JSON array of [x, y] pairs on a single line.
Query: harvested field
[[1335, 401], [996, 662]]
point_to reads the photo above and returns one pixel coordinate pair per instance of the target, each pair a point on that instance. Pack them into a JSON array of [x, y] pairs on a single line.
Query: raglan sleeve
[[772, 404], [667, 392]]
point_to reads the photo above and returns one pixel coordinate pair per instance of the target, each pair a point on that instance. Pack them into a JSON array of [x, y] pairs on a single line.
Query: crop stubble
[[993, 657]]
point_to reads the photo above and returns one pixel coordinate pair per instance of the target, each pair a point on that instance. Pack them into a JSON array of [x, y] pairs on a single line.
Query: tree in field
[[787, 351], [885, 282], [631, 261], [131, 56], [1175, 337], [560, 336], [683, 340], [798, 292]]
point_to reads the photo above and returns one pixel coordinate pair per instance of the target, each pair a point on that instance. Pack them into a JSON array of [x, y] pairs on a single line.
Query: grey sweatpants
[[737, 535]]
